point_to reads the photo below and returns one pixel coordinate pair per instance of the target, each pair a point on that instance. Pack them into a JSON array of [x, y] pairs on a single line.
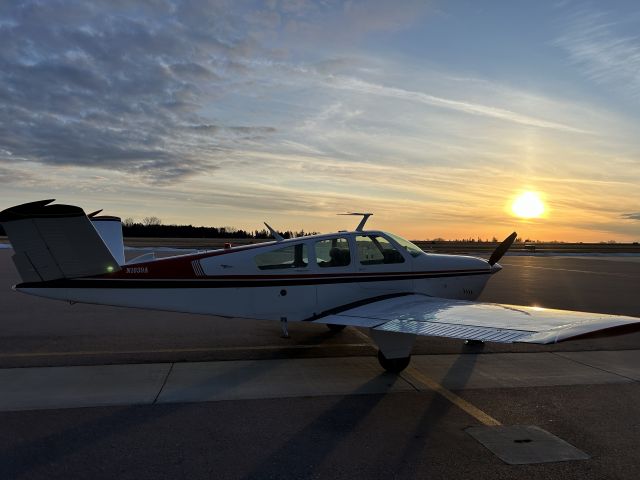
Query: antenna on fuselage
[[274, 234], [365, 217]]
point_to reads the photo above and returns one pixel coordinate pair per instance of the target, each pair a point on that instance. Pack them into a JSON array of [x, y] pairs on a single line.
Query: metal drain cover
[[521, 444]]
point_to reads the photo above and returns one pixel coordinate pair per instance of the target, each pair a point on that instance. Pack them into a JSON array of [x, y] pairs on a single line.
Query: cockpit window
[[376, 250], [333, 252], [412, 249], [292, 256]]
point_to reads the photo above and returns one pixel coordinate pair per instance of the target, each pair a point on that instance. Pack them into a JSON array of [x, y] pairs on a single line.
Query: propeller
[[502, 248]]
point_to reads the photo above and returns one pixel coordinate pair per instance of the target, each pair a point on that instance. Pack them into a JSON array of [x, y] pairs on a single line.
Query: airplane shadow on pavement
[[322, 436], [23, 457], [458, 374]]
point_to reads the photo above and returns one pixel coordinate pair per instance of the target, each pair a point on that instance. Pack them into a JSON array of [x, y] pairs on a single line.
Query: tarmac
[[105, 392]]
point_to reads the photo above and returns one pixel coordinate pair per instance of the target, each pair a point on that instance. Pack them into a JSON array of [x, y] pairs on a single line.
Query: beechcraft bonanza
[[361, 278]]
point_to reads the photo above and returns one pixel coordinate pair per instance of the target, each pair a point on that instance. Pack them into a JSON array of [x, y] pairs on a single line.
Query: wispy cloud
[[595, 43], [631, 216], [360, 86], [14, 176]]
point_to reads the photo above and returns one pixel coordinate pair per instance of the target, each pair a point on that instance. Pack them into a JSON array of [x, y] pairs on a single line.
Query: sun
[[528, 205]]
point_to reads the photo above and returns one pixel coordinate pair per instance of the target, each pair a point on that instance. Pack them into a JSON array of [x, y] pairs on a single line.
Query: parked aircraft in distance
[[361, 278]]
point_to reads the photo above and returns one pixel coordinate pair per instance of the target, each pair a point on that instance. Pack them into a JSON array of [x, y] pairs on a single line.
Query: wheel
[[393, 365], [335, 328]]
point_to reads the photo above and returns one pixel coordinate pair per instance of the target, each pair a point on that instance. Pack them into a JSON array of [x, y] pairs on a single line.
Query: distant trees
[[153, 227], [151, 221], [478, 239]]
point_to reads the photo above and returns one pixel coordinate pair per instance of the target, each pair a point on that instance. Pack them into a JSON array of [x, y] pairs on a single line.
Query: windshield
[[412, 249]]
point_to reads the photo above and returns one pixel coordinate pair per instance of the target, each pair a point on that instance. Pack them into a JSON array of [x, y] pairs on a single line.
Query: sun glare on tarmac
[[528, 205]]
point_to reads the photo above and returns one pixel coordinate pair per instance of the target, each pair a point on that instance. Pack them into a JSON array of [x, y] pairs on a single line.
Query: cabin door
[[383, 269], [333, 270]]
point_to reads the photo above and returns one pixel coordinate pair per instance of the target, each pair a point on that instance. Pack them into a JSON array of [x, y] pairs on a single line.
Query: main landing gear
[[393, 365], [394, 352]]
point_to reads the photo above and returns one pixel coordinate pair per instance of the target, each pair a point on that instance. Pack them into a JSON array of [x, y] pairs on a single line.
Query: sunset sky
[[434, 115]]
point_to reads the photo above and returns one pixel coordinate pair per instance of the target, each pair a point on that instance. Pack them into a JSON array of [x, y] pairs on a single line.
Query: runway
[[106, 392]]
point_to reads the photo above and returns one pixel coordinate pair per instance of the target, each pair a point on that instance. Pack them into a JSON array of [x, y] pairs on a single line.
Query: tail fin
[[110, 230], [55, 241]]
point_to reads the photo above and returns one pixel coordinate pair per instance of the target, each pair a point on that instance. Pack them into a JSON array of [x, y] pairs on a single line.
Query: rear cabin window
[[376, 250], [333, 252], [292, 256]]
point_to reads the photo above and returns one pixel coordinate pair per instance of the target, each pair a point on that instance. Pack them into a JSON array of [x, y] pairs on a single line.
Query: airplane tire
[[393, 365], [335, 327]]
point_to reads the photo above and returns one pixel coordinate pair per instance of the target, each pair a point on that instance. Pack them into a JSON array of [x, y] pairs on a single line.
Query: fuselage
[[297, 279]]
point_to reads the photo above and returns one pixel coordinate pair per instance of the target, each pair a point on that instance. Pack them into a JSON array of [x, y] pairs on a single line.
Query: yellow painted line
[[472, 410], [179, 350]]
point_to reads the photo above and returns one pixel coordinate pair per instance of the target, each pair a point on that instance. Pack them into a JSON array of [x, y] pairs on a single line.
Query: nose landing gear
[[283, 326]]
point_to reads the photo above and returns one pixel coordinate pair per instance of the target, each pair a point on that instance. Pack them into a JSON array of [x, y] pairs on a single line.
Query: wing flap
[[467, 332], [492, 322]]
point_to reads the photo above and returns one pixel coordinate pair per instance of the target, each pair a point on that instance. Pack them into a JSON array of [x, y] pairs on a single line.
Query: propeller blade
[[502, 248]]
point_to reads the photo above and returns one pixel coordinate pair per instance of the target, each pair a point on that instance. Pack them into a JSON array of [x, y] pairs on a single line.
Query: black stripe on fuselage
[[358, 303], [240, 283]]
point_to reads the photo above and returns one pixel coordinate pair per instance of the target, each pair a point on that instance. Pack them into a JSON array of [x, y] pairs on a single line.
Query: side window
[[376, 250], [292, 256], [333, 252]]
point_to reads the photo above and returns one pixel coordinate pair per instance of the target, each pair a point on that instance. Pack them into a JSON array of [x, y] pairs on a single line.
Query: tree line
[[153, 227]]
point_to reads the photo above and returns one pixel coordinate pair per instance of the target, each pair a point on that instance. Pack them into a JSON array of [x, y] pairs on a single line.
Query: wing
[[492, 322]]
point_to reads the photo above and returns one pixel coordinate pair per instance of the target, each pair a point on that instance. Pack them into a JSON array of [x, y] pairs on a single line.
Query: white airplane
[[361, 278]]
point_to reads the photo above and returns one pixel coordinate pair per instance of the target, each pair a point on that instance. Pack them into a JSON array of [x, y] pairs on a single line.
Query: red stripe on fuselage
[[179, 267]]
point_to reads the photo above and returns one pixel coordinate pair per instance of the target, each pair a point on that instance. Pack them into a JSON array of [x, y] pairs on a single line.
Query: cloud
[[137, 88], [337, 21], [10, 176], [631, 216], [599, 47], [360, 86], [109, 85]]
